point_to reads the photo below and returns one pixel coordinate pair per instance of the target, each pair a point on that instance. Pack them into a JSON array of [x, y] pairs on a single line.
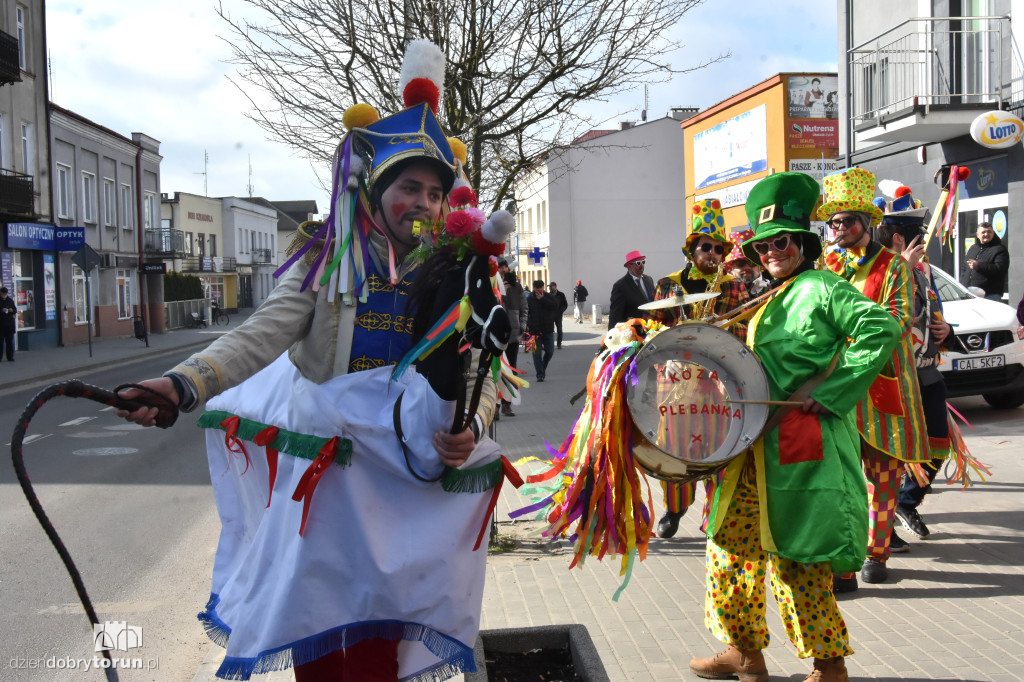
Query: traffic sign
[[86, 258]]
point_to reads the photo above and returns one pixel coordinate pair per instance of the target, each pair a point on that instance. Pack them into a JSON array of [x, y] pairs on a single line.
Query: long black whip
[[167, 415]]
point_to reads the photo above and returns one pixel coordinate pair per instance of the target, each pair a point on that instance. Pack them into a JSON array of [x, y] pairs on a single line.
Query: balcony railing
[[208, 264], [16, 193], [10, 72], [261, 257], [525, 241], [164, 241], [935, 61]]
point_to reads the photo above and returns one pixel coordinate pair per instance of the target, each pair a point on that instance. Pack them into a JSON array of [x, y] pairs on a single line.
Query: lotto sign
[[997, 129]]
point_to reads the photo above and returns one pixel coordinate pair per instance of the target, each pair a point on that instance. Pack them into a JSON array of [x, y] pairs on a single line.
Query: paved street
[[951, 610]]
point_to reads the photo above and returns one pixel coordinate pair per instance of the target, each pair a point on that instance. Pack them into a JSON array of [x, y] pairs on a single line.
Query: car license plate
[[979, 363]]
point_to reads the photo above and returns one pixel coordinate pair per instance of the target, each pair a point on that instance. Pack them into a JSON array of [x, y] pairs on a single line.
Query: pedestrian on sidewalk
[[579, 299], [543, 308], [987, 263], [517, 308], [563, 305], [8, 324], [630, 291], [793, 507]]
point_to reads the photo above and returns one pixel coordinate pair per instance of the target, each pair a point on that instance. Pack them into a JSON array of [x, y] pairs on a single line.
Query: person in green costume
[[794, 507]]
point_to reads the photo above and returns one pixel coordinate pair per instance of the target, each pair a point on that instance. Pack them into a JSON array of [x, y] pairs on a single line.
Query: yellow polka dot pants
[[735, 602]]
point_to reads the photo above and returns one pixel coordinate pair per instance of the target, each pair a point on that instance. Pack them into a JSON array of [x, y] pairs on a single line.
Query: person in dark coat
[[514, 302], [8, 323], [563, 305], [633, 290], [987, 263], [579, 299], [541, 323]]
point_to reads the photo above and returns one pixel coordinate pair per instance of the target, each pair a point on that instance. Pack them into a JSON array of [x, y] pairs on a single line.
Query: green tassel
[[475, 480], [289, 442]]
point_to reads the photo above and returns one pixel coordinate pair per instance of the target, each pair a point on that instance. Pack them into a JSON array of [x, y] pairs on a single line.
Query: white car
[[987, 356]]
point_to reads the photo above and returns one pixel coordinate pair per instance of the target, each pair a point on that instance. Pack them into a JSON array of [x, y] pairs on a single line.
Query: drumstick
[[740, 308], [795, 403]]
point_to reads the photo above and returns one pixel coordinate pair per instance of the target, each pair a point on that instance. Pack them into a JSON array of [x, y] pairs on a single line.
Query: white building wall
[[246, 224], [611, 195]]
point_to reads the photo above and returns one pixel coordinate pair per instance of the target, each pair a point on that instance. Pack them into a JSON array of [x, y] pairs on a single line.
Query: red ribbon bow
[[307, 484], [264, 438], [231, 440]]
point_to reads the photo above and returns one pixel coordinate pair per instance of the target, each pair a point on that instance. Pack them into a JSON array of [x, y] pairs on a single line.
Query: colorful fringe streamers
[[504, 375], [592, 480], [960, 455], [345, 233], [961, 461], [441, 330]]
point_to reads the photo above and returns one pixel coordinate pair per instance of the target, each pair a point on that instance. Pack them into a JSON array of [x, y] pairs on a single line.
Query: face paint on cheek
[[398, 209]]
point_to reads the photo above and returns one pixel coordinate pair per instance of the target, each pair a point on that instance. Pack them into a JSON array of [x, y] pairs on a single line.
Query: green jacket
[[813, 498]]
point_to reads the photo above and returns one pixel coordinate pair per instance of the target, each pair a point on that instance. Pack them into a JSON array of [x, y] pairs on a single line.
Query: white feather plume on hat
[[423, 60], [888, 188]]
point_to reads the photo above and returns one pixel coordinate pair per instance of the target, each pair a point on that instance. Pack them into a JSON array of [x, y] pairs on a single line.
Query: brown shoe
[[733, 663], [506, 411], [828, 670]]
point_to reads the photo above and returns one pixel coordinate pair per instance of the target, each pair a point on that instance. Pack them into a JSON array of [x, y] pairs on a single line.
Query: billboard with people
[[813, 96]]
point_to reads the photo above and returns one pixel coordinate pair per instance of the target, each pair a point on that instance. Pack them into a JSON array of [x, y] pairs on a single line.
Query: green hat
[[783, 202]]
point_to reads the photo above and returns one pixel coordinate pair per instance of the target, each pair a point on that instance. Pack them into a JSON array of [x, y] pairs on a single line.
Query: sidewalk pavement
[[950, 610], [46, 365]]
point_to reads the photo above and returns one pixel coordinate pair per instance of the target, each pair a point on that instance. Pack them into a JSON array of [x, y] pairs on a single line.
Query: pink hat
[[739, 238], [634, 255]]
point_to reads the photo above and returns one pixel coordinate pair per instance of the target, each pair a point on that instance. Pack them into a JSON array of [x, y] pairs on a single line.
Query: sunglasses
[[847, 222], [706, 247], [638, 262], [779, 244]]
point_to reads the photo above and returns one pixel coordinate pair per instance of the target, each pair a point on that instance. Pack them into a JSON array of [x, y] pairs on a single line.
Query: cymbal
[[674, 301]]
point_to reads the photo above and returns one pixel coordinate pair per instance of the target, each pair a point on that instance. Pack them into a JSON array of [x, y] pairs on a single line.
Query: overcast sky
[[159, 68]]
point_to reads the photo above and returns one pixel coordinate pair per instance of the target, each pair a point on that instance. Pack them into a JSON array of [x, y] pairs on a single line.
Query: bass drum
[[686, 427]]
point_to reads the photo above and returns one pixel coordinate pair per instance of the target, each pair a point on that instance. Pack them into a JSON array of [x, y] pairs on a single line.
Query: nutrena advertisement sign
[[997, 129]]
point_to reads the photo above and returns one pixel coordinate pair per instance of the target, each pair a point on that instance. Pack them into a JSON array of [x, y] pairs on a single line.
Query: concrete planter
[[575, 638]]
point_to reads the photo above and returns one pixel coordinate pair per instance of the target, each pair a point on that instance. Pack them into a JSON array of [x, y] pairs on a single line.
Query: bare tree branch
[[518, 71]]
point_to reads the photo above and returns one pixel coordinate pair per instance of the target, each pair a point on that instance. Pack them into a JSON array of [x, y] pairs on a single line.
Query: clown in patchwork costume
[[902, 230], [890, 417], [348, 551], [793, 508], [706, 247]]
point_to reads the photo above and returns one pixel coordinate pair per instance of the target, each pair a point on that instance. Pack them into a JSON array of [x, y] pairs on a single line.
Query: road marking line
[[34, 437], [76, 422]]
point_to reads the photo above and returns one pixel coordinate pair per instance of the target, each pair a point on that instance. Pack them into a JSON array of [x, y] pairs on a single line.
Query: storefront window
[[124, 294], [213, 287], [81, 303], [23, 290]]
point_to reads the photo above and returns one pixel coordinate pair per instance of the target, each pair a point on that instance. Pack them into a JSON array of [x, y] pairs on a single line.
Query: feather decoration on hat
[[889, 187], [422, 76]]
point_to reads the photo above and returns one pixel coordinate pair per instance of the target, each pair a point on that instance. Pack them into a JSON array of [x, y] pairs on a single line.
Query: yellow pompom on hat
[[459, 150], [359, 116], [850, 190], [708, 221]]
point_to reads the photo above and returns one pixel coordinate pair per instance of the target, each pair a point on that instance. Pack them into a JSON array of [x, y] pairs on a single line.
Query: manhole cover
[[104, 452]]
